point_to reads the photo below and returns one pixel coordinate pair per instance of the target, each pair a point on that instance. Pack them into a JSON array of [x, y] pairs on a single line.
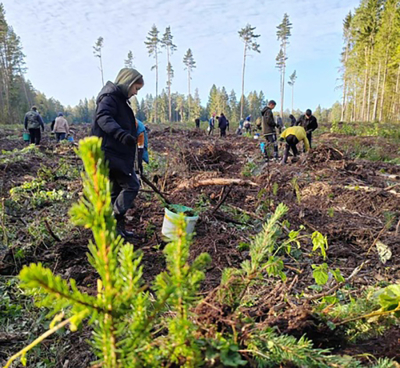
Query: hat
[[34, 108], [308, 112]]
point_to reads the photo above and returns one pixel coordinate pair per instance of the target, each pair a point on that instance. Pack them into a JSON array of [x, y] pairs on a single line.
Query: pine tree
[[283, 33], [97, 53], [180, 105], [249, 39], [167, 43], [291, 82], [152, 43], [345, 57], [233, 108], [212, 104], [129, 60], [190, 64], [196, 105]]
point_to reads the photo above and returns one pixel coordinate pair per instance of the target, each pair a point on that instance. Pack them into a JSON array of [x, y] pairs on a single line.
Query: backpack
[[33, 121]]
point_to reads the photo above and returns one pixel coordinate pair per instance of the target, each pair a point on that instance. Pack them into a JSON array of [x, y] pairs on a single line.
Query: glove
[[140, 160], [128, 140]]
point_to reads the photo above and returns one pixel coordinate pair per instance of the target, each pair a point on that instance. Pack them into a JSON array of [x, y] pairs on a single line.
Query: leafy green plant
[[248, 169], [320, 242], [320, 274], [17, 155], [296, 188], [275, 188]]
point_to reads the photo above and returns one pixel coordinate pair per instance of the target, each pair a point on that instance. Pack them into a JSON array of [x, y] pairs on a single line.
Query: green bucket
[[26, 137]]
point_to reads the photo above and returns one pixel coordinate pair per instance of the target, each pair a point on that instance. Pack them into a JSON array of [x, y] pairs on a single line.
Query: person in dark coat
[[292, 120], [309, 123], [33, 122], [222, 124], [197, 122], [279, 123], [115, 123], [269, 128]]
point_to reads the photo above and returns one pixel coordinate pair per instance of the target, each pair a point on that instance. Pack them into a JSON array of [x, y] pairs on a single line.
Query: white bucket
[[169, 227]]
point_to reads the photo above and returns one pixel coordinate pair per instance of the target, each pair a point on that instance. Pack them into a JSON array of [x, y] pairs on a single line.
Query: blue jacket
[[142, 129]]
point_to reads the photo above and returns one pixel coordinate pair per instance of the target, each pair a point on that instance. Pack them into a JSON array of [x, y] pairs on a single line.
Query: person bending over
[[292, 136]]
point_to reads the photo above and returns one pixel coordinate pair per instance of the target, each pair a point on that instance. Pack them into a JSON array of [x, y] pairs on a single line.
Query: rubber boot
[[121, 229], [285, 157]]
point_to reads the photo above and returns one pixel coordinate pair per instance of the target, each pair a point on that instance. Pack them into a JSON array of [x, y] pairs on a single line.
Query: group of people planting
[[124, 138], [299, 131]]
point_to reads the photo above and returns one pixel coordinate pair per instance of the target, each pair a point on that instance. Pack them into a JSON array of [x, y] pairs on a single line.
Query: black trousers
[[223, 132], [124, 191], [309, 137], [291, 142], [211, 130], [271, 140], [35, 136]]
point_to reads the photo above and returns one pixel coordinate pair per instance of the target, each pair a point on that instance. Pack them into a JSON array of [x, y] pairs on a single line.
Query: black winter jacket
[[268, 121], [222, 122], [308, 124], [114, 119]]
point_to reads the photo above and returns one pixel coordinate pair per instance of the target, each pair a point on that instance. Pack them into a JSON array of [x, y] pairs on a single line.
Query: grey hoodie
[[125, 79]]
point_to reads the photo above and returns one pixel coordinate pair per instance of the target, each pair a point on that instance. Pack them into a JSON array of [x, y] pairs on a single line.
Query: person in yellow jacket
[[293, 136]]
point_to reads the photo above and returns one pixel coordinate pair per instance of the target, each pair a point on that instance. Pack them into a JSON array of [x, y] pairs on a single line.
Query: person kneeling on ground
[[116, 124], [293, 136], [61, 127]]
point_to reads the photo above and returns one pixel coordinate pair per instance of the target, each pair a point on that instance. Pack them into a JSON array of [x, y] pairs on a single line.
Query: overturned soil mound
[[323, 153], [209, 158]]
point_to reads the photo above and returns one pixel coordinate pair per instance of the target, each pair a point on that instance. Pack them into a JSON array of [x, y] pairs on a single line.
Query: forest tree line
[[371, 62]]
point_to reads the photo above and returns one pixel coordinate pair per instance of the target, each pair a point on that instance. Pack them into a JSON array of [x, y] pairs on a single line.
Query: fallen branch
[[190, 184], [251, 214], [51, 231], [227, 219], [152, 186], [222, 200], [376, 190]]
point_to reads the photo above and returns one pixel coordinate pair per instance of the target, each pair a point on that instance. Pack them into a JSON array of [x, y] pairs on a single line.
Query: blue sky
[[58, 35]]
